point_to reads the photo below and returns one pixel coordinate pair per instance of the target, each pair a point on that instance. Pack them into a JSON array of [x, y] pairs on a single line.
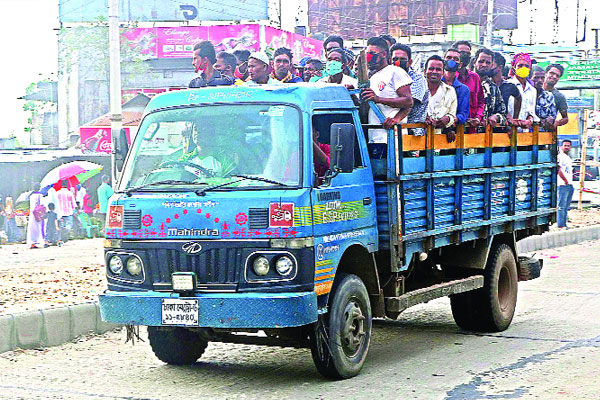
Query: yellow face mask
[[522, 72]]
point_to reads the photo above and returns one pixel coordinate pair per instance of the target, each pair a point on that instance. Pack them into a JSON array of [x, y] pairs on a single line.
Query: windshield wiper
[[165, 182], [202, 192], [260, 179]]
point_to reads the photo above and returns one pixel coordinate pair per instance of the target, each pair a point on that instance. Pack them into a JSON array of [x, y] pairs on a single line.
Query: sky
[[30, 54]]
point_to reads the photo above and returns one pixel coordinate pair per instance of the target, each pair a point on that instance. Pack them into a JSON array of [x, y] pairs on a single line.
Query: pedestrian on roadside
[[104, 193], [36, 223], [66, 205], [87, 206], [52, 228], [10, 223], [565, 184]]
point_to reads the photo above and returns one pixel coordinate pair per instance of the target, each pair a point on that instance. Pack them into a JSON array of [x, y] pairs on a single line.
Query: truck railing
[[476, 186]]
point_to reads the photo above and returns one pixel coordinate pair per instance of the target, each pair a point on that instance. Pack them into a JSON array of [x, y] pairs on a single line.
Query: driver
[[196, 152]]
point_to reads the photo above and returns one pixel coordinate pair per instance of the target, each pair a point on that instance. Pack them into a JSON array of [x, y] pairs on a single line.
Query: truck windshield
[[213, 145]]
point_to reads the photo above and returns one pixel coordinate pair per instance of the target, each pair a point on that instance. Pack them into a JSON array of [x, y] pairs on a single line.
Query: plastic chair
[[88, 227]]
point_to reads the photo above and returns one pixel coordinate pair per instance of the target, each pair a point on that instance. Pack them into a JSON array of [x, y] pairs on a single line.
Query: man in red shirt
[[473, 82]]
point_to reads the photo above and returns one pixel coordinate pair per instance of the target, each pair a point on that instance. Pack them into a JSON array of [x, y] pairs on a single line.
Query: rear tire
[[176, 346], [491, 308], [340, 341]]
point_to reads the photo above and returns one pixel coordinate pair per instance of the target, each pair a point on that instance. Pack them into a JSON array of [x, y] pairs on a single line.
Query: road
[[551, 351]]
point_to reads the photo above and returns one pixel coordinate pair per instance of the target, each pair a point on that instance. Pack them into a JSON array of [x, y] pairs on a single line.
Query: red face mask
[[238, 74]]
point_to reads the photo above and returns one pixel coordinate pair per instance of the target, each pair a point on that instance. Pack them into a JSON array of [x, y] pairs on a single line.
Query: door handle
[[366, 201]]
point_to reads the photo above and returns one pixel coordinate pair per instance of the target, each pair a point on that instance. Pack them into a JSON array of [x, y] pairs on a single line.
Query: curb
[[558, 239], [56, 326], [51, 327]]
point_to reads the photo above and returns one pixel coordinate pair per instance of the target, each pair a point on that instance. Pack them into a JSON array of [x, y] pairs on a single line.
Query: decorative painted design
[[241, 219], [281, 215], [332, 211], [323, 287], [147, 220]]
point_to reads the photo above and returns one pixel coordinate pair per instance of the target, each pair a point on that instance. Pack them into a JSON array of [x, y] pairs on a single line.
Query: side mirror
[[342, 147], [122, 149]]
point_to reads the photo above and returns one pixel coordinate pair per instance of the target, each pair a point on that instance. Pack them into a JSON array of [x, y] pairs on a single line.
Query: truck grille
[[132, 219], [219, 266], [258, 218]]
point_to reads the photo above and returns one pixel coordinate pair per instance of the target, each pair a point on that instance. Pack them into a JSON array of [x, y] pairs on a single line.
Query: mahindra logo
[[192, 247]]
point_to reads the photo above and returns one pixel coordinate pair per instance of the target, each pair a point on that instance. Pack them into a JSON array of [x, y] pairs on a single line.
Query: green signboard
[[583, 70]]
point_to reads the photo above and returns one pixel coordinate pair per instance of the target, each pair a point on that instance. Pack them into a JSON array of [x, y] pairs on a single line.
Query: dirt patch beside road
[[32, 279]]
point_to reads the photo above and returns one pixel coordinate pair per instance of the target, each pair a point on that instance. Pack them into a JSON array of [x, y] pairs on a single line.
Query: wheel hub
[[353, 328]]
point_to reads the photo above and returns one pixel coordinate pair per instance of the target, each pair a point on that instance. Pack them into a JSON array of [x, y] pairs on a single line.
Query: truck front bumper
[[215, 310]]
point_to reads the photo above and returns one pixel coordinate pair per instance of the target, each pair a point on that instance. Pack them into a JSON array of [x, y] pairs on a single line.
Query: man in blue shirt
[[463, 94]]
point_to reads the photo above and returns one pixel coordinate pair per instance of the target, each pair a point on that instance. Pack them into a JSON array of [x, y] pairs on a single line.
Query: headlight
[[261, 266], [284, 266], [115, 265], [134, 266]]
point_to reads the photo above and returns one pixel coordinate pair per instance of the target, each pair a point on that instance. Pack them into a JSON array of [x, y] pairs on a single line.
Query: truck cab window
[[321, 128]]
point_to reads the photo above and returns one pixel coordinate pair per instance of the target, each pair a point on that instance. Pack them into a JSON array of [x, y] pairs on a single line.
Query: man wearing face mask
[[203, 61], [463, 96], [225, 65], [471, 80], [494, 111], [521, 64], [389, 90], [401, 56], [241, 70], [313, 70], [507, 89], [336, 59]]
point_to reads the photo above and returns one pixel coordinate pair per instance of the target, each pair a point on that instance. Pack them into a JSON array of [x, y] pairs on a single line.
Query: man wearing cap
[[521, 64], [258, 69]]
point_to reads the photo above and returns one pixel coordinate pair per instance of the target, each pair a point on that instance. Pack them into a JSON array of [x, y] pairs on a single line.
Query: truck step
[[412, 298]]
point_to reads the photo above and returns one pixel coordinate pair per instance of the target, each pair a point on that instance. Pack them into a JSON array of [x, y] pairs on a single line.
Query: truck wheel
[[465, 310], [341, 340], [491, 308], [176, 346], [500, 289]]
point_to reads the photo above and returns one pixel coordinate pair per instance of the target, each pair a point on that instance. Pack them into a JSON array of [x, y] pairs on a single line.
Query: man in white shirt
[[564, 183], [389, 89], [521, 64], [441, 109]]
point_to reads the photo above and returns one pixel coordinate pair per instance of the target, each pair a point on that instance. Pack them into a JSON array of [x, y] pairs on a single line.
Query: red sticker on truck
[[281, 215]]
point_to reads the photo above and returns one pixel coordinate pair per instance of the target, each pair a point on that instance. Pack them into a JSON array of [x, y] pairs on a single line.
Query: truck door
[[344, 206]]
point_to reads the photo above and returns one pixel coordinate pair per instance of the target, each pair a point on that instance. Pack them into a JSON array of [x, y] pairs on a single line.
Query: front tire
[[176, 346], [491, 308], [341, 340]]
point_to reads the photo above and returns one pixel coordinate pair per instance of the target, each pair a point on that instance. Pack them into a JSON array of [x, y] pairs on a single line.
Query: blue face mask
[[333, 67]]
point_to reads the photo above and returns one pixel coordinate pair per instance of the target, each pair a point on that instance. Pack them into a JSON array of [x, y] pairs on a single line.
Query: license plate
[[179, 312]]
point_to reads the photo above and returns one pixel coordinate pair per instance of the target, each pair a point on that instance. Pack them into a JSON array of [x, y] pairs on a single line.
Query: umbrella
[[73, 172], [23, 197]]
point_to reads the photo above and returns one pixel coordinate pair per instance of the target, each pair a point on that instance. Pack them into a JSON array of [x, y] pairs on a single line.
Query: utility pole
[[489, 26], [116, 117]]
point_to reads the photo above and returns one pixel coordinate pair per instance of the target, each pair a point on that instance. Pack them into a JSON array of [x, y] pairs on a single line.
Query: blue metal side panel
[[500, 159], [415, 206], [444, 163], [524, 157], [544, 156], [473, 198], [444, 202], [413, 165], [474, 161], [383, 218]]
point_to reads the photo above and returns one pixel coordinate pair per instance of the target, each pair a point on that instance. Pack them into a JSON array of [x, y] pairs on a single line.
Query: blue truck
[[225, 227]]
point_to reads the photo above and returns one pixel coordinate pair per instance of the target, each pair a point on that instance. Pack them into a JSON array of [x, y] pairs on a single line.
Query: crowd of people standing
[[459, 87], [58, 215]]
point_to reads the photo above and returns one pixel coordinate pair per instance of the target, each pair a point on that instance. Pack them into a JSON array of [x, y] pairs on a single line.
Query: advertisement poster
[[179, 41], [235, 37], [176, 42], [96, 139]]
